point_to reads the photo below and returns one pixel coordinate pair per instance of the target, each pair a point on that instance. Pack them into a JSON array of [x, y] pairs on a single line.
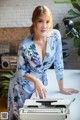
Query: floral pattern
[[29, 62]]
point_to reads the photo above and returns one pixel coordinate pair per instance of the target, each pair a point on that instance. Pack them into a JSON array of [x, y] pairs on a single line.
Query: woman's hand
[[40, 89], [66, 90], [69, 91]]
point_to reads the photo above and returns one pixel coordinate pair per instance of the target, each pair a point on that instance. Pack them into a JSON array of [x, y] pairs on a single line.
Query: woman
[[36, 54]]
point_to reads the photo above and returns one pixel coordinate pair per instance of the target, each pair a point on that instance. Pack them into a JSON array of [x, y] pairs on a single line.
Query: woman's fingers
[[70, 91], [41, 95], [74, 90], [44, 92], [36, 93], [41, 92], [40, 89]]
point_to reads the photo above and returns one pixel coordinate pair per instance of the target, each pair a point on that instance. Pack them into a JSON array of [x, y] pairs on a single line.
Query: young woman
[[35, 55]]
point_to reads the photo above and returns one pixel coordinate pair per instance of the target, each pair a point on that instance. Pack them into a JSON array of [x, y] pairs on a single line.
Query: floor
[[3, 105]]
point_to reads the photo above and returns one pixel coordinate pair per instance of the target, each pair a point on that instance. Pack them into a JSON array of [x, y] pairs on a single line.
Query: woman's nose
[[44, 25]]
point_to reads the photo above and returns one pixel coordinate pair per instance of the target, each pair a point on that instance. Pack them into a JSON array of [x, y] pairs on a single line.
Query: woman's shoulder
[[27, 41], [54, 33]]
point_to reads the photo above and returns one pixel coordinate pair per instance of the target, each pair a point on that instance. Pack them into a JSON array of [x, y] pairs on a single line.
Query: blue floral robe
[[29, 63]]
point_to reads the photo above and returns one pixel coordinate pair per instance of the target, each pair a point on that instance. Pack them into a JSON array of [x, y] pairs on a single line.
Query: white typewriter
[[45, 109]]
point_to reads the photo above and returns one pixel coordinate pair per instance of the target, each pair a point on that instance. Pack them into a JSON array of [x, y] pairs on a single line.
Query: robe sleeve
[[21, 61], [58, 62]]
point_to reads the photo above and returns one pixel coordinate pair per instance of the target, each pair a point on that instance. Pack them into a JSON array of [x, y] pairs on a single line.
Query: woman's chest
[[41, 48], [38, 54]]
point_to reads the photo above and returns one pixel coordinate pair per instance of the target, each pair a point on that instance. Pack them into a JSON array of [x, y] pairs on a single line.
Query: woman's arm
[[58, 62], [40, 89], [66, 90], [59, 67], [22, 69]]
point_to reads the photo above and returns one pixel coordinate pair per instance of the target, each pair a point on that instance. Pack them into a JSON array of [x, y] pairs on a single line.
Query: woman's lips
[[43, 30]]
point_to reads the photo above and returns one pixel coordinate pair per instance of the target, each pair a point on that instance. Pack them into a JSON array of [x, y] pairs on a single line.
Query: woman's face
[[42, 25]]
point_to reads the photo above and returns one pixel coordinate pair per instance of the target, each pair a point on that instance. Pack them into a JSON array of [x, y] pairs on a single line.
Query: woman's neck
[[39, 38]]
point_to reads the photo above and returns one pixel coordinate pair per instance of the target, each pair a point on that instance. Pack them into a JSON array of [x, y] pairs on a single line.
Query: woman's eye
[[40, 21], [47, 21]]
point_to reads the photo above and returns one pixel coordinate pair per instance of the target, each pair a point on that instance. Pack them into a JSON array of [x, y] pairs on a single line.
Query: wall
[[18, 13], [13, 36]]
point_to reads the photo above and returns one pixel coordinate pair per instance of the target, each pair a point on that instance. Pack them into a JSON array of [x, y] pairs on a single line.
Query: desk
[[71, 80]]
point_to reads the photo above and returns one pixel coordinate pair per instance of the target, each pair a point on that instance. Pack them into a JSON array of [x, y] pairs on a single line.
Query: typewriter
[[46, 109]]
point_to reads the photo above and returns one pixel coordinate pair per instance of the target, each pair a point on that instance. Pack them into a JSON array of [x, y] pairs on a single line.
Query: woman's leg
[[17, 95]]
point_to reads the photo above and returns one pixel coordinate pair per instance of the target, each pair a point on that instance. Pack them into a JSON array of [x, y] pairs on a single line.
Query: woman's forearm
[[31, 78], [66, 90], [60, 83]]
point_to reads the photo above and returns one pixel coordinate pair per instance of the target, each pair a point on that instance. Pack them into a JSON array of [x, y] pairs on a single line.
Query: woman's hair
[[39, 11]]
